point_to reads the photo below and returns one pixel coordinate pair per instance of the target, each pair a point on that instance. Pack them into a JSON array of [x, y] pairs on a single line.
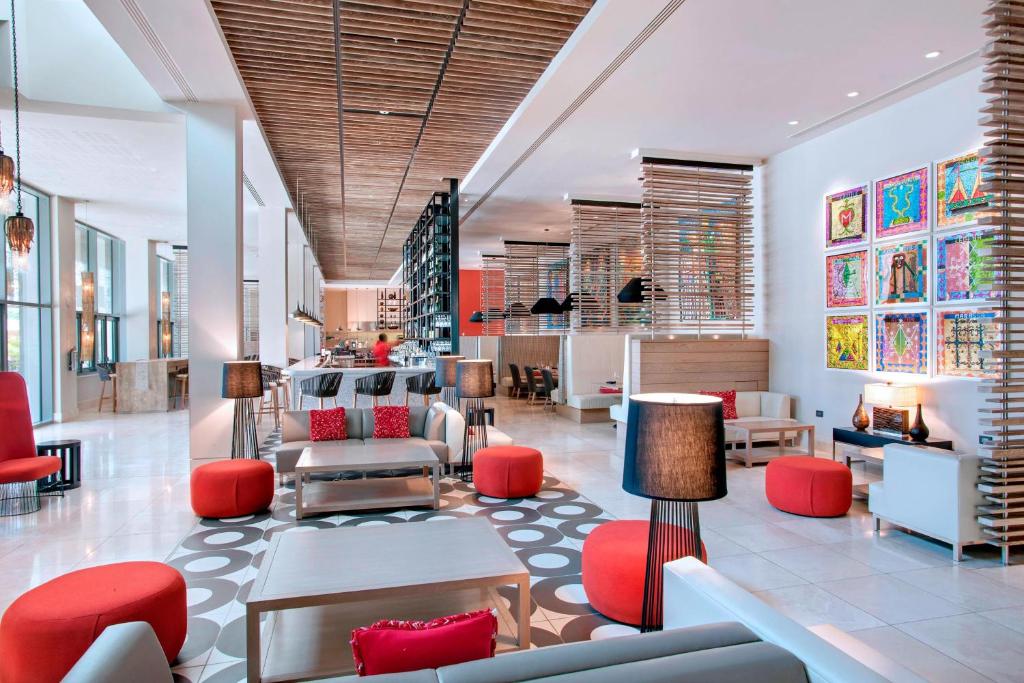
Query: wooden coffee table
[[317, 586], [313, 497], [779, 428]]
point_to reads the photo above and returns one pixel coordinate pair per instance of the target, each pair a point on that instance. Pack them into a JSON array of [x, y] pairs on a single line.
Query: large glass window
[[102, 255]]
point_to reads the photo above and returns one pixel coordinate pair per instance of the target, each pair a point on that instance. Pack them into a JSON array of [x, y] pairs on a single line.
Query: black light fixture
[[546, 306], [633, 292], [300, 314], [518, 310], [243, 381], [19, 227], [567, 305], [476, 317]]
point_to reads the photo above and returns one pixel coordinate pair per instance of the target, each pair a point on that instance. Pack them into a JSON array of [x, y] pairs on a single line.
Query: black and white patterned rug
[[219, 560]]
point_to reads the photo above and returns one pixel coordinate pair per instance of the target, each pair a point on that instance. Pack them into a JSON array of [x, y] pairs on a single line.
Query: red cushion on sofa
[[392, 646], [728, 402], [391, 422], [610, 390], [327, 425]]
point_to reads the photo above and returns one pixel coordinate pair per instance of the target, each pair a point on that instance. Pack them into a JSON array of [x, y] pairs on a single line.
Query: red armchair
[[20, 467]]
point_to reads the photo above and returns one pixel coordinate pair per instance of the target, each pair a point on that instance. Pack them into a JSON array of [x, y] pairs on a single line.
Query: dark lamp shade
[[475, 379], [444, 370], [476, 317], [546, 306], [242, 379], [518, 310], [633, 292], [675, 447], [567, 305]]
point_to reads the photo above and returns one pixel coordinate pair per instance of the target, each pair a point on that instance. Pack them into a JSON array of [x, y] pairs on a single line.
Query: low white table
[[319, 585], [778, 428], [313, 497]]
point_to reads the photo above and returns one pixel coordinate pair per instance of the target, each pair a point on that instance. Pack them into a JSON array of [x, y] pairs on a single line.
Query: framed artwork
[[961, 337], [961, 273], [901, 342], [846, 342], [845, 217], [958, 195], [847, 279], [901, 204], [901, 273]]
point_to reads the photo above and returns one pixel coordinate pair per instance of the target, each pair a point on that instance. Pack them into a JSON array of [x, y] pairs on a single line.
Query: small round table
[[70, 452]]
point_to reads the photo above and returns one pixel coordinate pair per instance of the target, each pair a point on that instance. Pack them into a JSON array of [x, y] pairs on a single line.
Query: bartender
[[381, 350]]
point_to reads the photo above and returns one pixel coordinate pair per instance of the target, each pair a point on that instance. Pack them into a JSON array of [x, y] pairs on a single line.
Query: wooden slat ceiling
[[448, 73]]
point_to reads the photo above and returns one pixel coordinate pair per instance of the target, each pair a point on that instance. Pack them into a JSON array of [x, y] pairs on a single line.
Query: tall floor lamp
[[675, 455], [474, 382], [444, 377], [243, 381]]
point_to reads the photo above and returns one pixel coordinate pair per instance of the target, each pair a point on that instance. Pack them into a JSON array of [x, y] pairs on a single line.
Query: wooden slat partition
[[492, 295], [523, 351], [689, 365], [1002, 418], [534, 270]]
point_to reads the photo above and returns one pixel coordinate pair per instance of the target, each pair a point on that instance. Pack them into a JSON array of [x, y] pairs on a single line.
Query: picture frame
[[901, 204]]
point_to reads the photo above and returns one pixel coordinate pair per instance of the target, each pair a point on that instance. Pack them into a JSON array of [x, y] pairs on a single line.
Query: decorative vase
[[919, 430], [860, 416]]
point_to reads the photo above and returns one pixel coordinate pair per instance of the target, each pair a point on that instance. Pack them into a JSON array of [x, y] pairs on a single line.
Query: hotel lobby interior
[[481, 341]]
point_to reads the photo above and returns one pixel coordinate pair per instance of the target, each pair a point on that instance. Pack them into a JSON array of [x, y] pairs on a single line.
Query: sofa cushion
[[728, 402], [417, 420], [391, 422], [327, 425], [748, 404], [433, 422], [593, 401], [289, 452]]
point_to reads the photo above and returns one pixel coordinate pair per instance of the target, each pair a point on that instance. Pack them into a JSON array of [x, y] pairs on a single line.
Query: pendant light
[[19, 227], [567, 305], [546, 306], [476, 317], [633, 292]]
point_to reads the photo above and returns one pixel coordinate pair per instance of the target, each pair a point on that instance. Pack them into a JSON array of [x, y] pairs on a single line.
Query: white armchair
[[930, 491]]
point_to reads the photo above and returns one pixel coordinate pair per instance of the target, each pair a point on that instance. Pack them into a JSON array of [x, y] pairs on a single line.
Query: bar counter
[[308, 367], [145, 386]]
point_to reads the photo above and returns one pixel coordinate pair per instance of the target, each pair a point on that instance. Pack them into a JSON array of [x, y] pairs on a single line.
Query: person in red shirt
[[381, 350]]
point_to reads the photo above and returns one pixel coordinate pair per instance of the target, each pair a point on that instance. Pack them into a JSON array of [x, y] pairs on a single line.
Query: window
[[103, 256], [165, 308]]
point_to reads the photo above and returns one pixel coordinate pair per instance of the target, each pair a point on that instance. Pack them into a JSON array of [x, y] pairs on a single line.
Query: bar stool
[[422, 384], [324, 385], [182, 379], [108, 374], [271, 383], [376, 385]]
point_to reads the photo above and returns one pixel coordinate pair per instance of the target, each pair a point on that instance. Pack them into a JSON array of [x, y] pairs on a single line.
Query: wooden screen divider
[[492, 295], [534, 270], [1002, 417], [691, 365]]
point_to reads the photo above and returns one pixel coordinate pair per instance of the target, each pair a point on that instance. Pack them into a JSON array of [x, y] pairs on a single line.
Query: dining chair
[[518, 386], [422, 384], [324, 385], [376, 385], [549, 388]]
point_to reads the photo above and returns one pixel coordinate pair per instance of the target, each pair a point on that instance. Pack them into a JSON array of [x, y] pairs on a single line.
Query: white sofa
[[751, 406], [929, 491]]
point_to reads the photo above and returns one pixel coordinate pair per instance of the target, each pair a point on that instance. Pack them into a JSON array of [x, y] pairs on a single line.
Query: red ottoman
[[46, 630], [232, 488], [615, 567], [508, 471], [812, 487]]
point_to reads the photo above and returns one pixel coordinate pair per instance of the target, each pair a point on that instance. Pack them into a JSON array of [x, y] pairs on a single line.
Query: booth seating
[[811, 487], [591, 362], [508, 471], [232, 488]]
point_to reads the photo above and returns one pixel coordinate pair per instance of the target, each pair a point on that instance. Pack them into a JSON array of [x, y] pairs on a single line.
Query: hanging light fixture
[[19, 227], [476, 317], [6, 175], [633, 292], [567, 305], [546, 306]]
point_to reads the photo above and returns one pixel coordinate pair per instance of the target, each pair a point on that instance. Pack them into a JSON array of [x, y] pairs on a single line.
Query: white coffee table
[[777, 428], [312, 497]]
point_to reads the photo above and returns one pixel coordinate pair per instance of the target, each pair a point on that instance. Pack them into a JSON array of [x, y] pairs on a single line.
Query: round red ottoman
[[812, 487], [615, 567], [508, 471], [46, 630], [232, 488]]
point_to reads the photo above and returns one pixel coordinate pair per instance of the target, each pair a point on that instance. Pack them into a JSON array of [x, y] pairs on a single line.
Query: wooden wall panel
[[691, 365], [525, 351]]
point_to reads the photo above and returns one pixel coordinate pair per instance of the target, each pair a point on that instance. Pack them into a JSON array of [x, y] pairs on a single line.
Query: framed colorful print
[[846, 342], [846, 278], [961, 272], [901, 273], [958, 194], [961, 338], [901, 342], [845, 217], [901, 204]]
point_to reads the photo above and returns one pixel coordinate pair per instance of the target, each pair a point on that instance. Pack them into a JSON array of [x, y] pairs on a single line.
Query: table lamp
[[891, 406], [675, 455], [474, 382], [243, 381], [444, 377]]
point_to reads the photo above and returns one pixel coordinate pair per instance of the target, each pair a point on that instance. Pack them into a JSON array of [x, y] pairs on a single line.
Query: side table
[[872, 439], [70, 452]]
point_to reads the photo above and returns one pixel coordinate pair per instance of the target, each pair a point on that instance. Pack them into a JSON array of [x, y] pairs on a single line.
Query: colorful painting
[[847, 279], [961, 272], [846, 342], [901, 342], [901, 273], [901, 204], [958, 194], [845, 214], [962, 339]]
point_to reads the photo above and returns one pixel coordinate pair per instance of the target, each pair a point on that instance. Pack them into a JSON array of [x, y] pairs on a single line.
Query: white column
[[273, 276], [140, 298], [65, 378], [215, 245], [296, 287]]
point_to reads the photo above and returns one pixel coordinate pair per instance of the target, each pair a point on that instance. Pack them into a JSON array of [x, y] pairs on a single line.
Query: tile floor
[[900, 593]]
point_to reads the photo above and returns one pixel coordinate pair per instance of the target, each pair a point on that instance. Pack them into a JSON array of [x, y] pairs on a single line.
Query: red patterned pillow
[[391, 422], [728, 402], [392, 646], [327, 425]]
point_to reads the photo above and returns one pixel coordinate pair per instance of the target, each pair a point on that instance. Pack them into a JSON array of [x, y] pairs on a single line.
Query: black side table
[[70, 452], [872, 439]]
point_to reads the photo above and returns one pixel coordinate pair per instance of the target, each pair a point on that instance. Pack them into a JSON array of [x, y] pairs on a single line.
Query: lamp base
[[449, 397], [674, 533], [474, 436], [244, 443]]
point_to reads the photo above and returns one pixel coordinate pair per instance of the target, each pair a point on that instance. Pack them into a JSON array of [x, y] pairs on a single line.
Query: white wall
[[933, 125], [592, 360]]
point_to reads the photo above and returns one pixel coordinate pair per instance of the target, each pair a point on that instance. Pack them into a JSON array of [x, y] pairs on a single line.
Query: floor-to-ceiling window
[[102, 255], [165, 306]]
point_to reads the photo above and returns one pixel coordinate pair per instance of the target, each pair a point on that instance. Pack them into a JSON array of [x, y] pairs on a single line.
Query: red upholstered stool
[[508, 471], [232, 488], [45, 631], [812, 487], [615, 567]]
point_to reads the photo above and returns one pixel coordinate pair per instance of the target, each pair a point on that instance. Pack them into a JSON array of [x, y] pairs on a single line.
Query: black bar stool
[[376, 385], [422, 384], [324, 385]]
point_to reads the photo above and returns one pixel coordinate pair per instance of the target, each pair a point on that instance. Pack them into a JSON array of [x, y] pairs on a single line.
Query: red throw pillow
[[392, 646], [728, 402], [610, 390], [327, 425], [391, 422]]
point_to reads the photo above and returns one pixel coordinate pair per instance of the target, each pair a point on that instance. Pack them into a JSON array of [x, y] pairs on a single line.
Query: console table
[[873, 439]]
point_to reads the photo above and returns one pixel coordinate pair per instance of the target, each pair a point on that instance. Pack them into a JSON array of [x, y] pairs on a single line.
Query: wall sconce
[[165, 327], [88, 317]]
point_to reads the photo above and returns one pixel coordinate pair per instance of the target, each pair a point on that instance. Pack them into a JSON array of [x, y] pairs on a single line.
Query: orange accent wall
[[469, 301]]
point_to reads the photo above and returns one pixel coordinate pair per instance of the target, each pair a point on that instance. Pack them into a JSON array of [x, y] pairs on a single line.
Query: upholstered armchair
[[20, 467]]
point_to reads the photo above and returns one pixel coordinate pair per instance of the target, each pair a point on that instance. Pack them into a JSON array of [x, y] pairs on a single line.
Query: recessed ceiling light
[[385, 112], [634, 153], [794, 123], [565, 197], [932, 55], [852, 93]]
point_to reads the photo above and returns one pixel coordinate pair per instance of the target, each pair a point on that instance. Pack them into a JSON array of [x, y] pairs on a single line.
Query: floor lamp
[[444, 377], [474, 382], [243, 381], [675, 455]]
